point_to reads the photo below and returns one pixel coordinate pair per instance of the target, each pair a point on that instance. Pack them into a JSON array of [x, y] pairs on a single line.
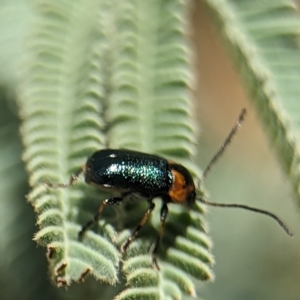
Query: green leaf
[[262, 37], [61, 101], [110, 74]]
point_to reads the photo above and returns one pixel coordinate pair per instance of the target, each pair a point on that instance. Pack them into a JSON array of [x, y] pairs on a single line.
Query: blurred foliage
[[263, 39], [52, 58]]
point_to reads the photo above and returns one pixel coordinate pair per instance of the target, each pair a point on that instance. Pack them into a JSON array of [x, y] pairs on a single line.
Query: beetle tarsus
[[72, 181]]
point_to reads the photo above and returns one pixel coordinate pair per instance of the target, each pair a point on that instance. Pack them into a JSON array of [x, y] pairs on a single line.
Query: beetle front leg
[[73, 179], [110, 201], [138, 228], [153, 250]]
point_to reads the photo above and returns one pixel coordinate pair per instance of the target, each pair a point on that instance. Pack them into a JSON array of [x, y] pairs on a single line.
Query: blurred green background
[[254, 258], [261, 261]]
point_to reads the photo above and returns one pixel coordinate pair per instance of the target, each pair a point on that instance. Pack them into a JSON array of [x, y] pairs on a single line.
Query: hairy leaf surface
[[111, 74]]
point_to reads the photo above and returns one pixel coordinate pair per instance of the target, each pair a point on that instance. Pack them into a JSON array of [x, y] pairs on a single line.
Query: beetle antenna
[[219, 153], [226, 142], [261, 211]]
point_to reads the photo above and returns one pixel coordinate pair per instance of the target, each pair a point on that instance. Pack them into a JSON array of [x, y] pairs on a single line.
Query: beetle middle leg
[[153, 250], [138, 228], [109, 201]]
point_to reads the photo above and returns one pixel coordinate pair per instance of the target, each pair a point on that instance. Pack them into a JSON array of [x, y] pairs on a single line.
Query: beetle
[[125, 173]]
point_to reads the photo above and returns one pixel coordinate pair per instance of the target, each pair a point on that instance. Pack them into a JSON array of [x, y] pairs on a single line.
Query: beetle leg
[[110, 201], [137, 229], [153, 250], [72, 181]]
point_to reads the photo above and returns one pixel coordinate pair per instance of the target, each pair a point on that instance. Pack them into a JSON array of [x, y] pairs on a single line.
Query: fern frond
[[110, 73], [263, 38], [150, 111], [61, 102]]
